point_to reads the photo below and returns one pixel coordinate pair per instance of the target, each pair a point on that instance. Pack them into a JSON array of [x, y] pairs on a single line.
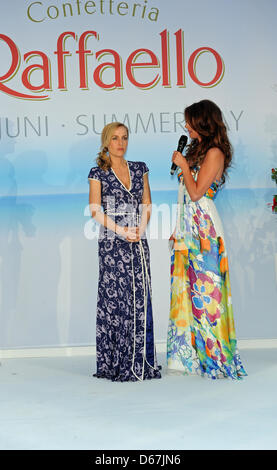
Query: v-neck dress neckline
[[120, 179]]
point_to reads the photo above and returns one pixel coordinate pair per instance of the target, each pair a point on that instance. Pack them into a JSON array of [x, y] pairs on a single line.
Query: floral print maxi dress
[[201, 333], [124, 323]]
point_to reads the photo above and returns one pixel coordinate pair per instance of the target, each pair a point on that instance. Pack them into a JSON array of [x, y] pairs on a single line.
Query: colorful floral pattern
[[201, 333], [274, 178]]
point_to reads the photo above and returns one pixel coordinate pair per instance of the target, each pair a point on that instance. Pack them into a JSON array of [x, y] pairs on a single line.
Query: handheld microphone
[[181, 145]]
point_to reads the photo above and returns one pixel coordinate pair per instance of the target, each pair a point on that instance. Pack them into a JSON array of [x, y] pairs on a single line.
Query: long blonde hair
[[103, 160]]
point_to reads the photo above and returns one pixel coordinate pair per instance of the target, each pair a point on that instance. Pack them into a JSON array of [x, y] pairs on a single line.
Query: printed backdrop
[[69, 67]]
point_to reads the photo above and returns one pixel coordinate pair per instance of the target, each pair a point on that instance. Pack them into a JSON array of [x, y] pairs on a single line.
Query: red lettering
[[131, 64], [83, 56], [61, 53], [116, 65], [165, 58], [13, 70], [219, 67], [180, 58], [44, 67], [135, 62]]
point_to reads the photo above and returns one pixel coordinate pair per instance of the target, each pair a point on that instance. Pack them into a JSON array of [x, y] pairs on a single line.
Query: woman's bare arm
[[96, 212], [210, 170]]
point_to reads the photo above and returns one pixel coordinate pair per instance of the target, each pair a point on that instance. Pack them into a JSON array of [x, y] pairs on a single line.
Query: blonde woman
[[120, 201]]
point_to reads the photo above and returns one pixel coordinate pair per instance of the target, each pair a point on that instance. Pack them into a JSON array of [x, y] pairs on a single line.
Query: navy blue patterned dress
[[124, 323]]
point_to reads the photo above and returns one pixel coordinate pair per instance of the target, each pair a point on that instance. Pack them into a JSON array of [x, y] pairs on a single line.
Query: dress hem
[[131, 378]]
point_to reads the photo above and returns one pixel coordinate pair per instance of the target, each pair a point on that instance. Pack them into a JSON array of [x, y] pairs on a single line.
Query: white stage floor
[[54, 403]]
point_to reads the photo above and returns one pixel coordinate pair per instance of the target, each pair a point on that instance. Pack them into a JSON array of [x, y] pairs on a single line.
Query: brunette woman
[[201, 333]]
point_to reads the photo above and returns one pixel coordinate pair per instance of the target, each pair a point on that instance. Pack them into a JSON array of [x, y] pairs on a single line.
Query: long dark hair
[[205, 117]]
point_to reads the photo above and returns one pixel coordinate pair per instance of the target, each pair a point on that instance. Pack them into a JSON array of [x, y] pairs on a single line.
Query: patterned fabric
[[124, 323], [201, 333]]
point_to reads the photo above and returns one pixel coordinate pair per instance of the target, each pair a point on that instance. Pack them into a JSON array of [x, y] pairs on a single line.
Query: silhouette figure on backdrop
[[15, 217]]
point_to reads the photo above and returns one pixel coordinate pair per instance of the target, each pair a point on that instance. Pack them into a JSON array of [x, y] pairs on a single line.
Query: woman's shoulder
[[95, 173], [215, 152], [139, 166]]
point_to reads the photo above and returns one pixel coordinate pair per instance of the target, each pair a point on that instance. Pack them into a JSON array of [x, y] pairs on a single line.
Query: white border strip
[[91, 350]]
